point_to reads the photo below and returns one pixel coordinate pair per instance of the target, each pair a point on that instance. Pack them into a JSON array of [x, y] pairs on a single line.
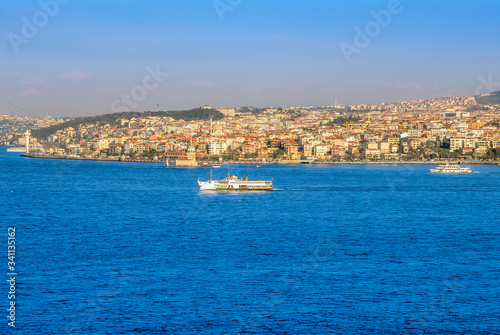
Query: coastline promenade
[[290, 162]]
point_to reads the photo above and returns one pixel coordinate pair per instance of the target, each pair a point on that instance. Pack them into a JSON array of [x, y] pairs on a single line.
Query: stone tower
[[191, 153]]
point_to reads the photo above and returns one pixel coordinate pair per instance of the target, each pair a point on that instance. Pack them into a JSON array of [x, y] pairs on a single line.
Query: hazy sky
[[88, 57]]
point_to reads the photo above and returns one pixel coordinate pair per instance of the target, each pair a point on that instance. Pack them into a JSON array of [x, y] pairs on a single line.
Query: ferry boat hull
[[450, 169], [235, 186], [232, 183]]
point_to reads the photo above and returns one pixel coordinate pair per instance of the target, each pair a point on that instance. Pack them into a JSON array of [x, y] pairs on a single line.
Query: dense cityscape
[[443, 128], [250, 167]]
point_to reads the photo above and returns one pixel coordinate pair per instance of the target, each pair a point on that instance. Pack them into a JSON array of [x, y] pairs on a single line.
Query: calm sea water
[[121, 248]]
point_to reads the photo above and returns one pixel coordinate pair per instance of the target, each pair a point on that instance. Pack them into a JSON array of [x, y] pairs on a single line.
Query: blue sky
[[87, 54]]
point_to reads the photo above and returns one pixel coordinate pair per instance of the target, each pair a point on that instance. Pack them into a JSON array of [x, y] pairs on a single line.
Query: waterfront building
[[217, 148], [190, 160], [456, 143]]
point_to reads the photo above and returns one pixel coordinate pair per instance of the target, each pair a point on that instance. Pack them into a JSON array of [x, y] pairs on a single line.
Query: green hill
[[187, 115], [492, 98]]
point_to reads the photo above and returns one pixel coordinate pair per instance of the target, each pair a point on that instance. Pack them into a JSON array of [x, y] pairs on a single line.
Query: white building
[[217, 148]]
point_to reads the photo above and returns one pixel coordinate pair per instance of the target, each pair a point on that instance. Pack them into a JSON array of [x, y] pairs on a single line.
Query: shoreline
[[283, 162], [71, 158]]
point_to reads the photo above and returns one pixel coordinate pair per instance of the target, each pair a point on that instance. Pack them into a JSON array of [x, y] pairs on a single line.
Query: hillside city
[[443, 128]]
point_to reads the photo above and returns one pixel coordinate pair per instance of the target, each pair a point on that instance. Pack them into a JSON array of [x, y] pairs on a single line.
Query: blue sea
[[125, 248]]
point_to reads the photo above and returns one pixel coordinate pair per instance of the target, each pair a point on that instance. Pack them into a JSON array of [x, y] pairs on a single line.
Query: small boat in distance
[[233, 183], [216, 166], [16, 149], [451, 169]]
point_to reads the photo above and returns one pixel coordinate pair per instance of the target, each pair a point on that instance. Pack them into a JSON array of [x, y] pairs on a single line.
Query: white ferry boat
[[233, 183], [451, 169]]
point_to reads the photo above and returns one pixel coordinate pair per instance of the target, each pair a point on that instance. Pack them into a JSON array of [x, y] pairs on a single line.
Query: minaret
[[210, 145], [210, 130], [27, 134]]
